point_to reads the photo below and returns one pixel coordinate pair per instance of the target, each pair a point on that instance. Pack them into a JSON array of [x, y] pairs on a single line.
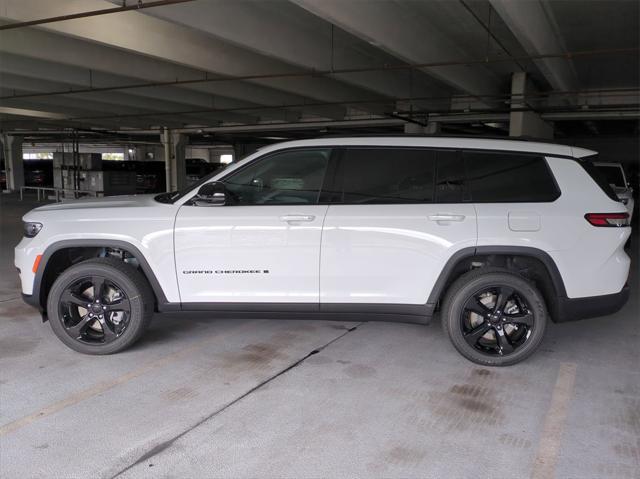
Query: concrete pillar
[[413, 129], [174, 158], [165, 137], [240, 150], [14, 164], [432, 128], [179, 171], [525, 123]]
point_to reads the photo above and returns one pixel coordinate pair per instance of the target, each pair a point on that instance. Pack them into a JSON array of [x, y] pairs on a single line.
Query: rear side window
[[451, 180], [597, 176], [387, 175], [509, 178]]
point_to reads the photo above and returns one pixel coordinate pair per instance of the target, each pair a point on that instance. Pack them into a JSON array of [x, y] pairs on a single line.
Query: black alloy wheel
[[94, 310], [496, 320], [494, 317], [100, 306]]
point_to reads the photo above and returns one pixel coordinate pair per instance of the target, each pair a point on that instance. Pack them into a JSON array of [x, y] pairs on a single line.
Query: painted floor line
[[554, 423]]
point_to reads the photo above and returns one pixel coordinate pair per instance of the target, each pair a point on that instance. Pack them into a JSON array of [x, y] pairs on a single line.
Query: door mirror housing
[[211, 194]]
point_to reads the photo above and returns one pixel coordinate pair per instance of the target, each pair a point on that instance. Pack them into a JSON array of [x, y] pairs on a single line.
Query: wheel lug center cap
[[96, 308]]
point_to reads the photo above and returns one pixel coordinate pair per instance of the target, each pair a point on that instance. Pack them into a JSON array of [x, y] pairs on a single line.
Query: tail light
[[608, 219]]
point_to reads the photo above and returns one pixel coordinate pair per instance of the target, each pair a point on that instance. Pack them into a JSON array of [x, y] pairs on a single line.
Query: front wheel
[[100, 306], [494, 317]]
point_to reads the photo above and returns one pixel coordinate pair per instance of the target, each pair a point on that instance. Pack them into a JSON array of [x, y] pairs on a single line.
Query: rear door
[[397, 216]]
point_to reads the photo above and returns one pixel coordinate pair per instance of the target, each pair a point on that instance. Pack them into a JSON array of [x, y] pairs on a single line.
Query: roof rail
[[438, 135]]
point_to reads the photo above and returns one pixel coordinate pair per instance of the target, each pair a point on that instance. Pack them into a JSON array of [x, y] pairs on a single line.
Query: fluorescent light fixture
[[5, 110], [226, 159]]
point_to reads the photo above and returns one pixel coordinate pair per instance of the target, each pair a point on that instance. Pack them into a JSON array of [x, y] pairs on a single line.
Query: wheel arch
[[54, 255], [532, 263]]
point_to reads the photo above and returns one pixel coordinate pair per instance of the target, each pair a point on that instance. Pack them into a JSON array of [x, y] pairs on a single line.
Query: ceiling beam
[[146, 64], [93, 13], [66, 78], [377, 22], [175, 44], [300, 38], [534, 26]]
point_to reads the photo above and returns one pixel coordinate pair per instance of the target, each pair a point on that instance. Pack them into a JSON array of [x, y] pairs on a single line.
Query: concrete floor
[[246, 398]]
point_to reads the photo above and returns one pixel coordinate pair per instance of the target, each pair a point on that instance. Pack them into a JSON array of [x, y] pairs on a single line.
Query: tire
[[105, 323], [484, 333]]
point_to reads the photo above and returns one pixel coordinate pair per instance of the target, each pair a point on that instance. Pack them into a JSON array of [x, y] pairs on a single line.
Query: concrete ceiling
[[309, 61]]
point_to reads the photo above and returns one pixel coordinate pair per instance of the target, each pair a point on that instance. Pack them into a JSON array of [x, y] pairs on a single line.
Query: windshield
[[173, 196], [613, 174]]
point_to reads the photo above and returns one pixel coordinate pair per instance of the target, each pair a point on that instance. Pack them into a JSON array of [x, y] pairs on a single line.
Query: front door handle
[[297, 218], [446, 217]]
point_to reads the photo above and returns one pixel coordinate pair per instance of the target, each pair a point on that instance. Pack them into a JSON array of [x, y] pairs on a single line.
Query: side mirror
[[211, 194]]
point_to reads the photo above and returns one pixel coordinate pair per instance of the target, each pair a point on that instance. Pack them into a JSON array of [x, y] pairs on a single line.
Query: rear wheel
[[494, 317], [100, 306]]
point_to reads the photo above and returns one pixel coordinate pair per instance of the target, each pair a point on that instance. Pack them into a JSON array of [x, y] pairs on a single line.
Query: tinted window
[[613, 175], [599, 178], [387, 175], [290, 177], [509, 177], [450, 178]]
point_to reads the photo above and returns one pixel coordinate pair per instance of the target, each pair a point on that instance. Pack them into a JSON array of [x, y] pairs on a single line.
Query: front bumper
[[32, 300], [573, 309]]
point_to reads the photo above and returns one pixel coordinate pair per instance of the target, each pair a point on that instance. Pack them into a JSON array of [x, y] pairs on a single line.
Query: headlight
[[31, 229]]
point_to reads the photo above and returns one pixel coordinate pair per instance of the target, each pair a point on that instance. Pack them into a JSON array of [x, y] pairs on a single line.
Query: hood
[[125, 201]]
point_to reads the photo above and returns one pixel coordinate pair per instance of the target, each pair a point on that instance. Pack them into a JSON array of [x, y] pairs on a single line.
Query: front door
[[263, 246], [402, 213]]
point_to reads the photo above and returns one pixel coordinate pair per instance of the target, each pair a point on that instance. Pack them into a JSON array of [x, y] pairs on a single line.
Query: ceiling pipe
[[139, 5], [320, 73], [305, 105]]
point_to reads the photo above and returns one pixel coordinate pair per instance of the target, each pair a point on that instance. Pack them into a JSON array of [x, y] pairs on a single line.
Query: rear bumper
[[573, 309]]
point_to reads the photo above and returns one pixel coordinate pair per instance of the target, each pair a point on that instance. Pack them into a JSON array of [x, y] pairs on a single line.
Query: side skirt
[[401, 313]]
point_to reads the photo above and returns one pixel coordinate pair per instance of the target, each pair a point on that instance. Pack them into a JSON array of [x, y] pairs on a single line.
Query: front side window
[[387, 175], [291, 177], [509, 178]]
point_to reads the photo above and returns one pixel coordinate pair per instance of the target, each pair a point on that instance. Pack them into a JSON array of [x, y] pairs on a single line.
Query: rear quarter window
[[496, 177], [597, 176]]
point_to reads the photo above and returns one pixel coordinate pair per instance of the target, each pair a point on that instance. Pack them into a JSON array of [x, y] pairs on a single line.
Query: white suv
[[497, 235]]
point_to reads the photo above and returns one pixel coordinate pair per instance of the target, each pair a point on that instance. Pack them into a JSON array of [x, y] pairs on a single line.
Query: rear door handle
[[297, 218], [446, 217]]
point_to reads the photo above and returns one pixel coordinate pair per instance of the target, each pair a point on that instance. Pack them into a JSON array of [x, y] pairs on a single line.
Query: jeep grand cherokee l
[[497, 236]]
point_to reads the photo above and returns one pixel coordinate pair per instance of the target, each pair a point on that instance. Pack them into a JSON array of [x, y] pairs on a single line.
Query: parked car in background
[[616, 177], [35, 178]]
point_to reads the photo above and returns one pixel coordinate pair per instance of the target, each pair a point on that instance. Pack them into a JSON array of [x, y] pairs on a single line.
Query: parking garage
[[111, 99]]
